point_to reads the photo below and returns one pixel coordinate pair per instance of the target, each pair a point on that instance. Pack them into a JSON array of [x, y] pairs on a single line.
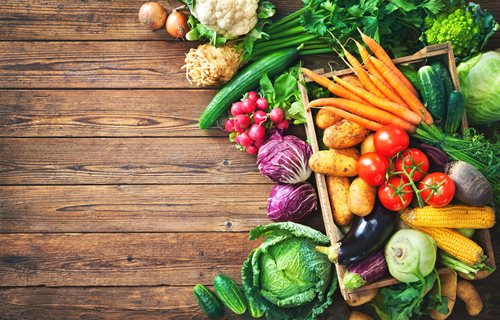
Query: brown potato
[[344, 134], [338, 192], [470, 296], [367, 144], [351, 152], [361, 297], [332, 163], [356, 315], [449, 290], [326, 118], [361, 197]]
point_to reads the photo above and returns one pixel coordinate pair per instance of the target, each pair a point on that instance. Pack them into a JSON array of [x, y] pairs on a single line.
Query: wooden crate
[[482, 236]]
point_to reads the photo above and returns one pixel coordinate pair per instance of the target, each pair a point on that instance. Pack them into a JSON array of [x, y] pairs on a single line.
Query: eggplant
[[366, 271], [367, 235]]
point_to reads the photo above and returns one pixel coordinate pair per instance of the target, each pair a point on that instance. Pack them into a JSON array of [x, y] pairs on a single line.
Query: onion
[[152, 15], [177, 25]]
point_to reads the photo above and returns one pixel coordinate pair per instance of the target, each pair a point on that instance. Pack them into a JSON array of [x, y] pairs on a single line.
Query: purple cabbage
[[284, 159], [291, 202]]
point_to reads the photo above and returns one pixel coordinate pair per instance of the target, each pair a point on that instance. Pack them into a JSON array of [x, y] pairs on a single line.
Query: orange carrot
[[367, 112], [365, 123], [384, 104], [384, 57], [389, 93], [403, 91], [333, 87], [352, 79], [365, 55], [363, 75]]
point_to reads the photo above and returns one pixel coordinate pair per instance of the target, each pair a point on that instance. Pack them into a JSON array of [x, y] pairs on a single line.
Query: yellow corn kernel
[[452, 216]]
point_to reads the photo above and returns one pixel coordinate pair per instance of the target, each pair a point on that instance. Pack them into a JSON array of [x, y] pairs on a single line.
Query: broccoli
[[467, 28]]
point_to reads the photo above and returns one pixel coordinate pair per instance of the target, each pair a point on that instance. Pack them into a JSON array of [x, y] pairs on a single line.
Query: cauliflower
[[229, 18]]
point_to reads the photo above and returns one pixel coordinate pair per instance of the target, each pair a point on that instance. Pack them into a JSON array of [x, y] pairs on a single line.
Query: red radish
[[262, 104], [252, 95], [248, 106], [152, 15], [259, 116], [241, 122], [229, 125], [283, 125], [244, 139], [257, 132], [236, 108], [253, 150], [258, 143], [177, 25], [277, 115]]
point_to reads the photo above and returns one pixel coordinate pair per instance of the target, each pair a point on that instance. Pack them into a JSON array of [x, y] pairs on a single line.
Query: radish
[[229, 125], [252, 95], [277, 115], [283, 125], [262, 104], [259, 116], [236, 108], [257, 132], [248, 106], [241, 122], [244, 139], [253, 150]]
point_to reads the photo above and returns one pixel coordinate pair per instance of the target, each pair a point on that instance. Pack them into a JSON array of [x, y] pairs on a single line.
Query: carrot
[[365, 123], [403, 91], [388, 91], [365, 55], [367, 112], [352, 79], [384, 104], [363, 75], [384, 57], [332, 87]]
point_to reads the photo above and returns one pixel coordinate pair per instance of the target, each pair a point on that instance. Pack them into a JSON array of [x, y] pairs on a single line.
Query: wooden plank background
[[113, 204]]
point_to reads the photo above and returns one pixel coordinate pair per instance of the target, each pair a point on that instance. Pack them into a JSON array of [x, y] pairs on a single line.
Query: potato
[[338, 191], [326, 118], [449, 290], [469, 295], [362, 297], [344, 134], [361, 197], [356, 315], [367, 145], [351, 152], [332, 163]]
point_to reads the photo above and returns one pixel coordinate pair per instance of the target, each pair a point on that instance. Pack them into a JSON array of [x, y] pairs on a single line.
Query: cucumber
[[256, 310], [272, 64], [207, 301], [433, 94], [444, 74], [230, 294], [456, 108]]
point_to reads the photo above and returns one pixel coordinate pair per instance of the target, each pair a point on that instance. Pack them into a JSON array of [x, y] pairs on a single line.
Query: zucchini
[[272, 64], [456, 108], [444, 74], [207, 301], [433, 94], [230, 294]]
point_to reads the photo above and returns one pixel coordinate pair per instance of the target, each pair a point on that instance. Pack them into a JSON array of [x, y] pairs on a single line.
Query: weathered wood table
[[113, 204]]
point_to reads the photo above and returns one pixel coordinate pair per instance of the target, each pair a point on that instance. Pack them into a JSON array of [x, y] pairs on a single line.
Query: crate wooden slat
[[483, 236]]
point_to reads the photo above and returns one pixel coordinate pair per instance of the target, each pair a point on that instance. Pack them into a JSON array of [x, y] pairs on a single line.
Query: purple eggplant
[[366, 271]]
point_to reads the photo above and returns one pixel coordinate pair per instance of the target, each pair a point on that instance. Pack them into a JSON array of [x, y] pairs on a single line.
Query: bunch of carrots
[[383, 95]]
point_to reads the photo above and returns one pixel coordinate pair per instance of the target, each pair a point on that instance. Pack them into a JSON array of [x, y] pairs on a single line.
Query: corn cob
[[452, 242], [453, 216]]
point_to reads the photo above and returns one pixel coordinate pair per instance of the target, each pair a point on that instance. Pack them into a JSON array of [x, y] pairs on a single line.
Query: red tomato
[[390, 139], [412, 158], [395, 194], [372, 167], [437, 189]]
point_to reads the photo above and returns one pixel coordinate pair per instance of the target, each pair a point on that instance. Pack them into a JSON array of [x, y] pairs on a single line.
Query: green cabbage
[[480, 84], [285, 275]]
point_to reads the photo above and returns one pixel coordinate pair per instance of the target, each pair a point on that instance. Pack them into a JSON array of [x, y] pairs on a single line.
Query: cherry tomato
[[437, 189], [390, 139], [372, 167], [395, 194], [412, 158]]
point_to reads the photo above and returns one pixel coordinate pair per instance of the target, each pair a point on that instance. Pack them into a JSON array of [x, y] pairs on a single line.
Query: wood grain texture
[[173, 208], [125, 161], [85, 19], [120, 259]]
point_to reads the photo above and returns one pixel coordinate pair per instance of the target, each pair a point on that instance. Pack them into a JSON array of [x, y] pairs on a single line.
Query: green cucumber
[[207, 301], [272, 64], [444, 74], [256, 310], [456, 108], [433, 94], [230, 294]]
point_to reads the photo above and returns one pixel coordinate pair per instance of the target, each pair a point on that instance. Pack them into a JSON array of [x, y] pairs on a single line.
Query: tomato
[[372, 167], [395, 194], [437, 189], [390, 139], [412, 158]]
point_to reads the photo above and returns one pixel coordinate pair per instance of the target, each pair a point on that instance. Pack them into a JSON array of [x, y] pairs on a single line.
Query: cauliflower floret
[[229, 18]]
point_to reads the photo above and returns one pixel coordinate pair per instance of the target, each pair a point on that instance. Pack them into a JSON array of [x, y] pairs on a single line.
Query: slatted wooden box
[[445, 53]]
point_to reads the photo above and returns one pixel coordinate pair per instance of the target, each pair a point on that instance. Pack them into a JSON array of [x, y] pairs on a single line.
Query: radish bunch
[[251, 121]]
